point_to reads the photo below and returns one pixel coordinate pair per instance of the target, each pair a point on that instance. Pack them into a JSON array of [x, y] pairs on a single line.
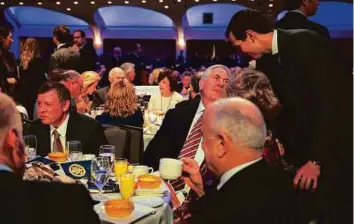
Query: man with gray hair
[[249, 190], [129, 70], [116, 74], [180, 133], [31, 198]]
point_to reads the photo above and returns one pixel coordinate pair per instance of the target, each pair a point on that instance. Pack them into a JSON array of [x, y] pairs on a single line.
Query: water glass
[[152, 116], [108, 151], [30, 142], [75, 150], [100, 170]]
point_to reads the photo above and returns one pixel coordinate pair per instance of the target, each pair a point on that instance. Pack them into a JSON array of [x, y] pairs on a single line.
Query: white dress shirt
[[62, 132], [230, 173], [59, 45], [275, 43]]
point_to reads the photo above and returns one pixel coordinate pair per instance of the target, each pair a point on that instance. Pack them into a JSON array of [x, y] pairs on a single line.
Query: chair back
[[136, 149], [120, 138]]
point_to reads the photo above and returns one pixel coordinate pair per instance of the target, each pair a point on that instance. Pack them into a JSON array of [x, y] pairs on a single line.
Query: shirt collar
[[201, 107], [62, 128], [275, 42], [230, 173], [5, 168], [59, 45]]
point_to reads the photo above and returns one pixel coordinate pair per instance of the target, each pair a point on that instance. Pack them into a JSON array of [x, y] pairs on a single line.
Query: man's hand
[[194, 179], [306, 175]]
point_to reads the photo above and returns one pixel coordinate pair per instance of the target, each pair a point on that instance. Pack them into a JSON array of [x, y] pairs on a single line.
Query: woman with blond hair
[[121, 106], [90, 82], [32, 72]]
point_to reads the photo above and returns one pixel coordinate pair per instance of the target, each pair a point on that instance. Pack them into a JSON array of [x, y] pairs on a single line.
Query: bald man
[[249, 191], [34, 202]]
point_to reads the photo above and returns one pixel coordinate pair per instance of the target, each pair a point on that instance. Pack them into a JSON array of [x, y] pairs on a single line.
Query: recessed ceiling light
[[126, 2], [39, 3], [109, 2], [92, 2], [2, 3], [160, 1], [58, 3], [233, 0], [215, 0], [143, 1], [166, 7], [76, 2], [21, 3], [196, 0], [68, 9], [179, 0], [270, 5]]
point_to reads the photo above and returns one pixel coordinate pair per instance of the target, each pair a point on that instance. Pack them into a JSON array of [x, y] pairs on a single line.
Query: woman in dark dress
[[32, 76], [121, 106], [8, 66]]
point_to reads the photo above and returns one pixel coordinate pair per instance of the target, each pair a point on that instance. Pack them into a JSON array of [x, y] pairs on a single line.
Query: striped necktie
[[57, 146], [189, 149]]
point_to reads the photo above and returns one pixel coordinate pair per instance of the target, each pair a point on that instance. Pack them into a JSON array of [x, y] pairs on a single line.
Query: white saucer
[[150, 201]]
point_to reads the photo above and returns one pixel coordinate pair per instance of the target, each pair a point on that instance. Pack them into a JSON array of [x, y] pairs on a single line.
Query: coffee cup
[[141, 170], [170, 169]]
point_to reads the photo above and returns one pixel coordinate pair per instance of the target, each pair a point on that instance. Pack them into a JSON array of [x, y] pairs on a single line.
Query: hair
[[121, 100], [167, 73], [195, 83], [127, 67], [211, 68], [82, 33], [255, 87], [89, 78], [9, 116], [247, 19], [61, 75], [244, 128], [154, 76], [62, 92], [62, 33], [6, 57], [116, 70], [29, 51], [293, 4], [186, 73]]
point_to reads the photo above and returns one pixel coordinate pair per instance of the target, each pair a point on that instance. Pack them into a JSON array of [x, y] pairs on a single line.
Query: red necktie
[[189, 149]]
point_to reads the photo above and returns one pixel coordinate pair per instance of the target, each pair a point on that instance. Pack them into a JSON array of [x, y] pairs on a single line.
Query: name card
[[147, 90]]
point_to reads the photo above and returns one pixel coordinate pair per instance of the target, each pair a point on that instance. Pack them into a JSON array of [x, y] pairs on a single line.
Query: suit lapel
[[71, 132], [44, 142]]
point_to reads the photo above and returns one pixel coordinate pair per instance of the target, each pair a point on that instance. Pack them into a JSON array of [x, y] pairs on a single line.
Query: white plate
[[150, 201], [139, 212]]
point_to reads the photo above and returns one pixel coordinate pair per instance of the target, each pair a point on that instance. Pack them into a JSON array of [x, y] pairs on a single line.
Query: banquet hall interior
[[126, 82]]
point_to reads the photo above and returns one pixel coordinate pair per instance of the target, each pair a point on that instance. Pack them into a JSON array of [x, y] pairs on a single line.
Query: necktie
[[57, 146], [189, 149]]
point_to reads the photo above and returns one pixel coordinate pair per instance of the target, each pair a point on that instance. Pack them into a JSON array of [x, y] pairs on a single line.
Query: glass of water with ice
[[30, 146]]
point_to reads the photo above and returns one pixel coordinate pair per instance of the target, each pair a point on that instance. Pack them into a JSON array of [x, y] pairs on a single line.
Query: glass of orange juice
[[127, 185], [120, 167]]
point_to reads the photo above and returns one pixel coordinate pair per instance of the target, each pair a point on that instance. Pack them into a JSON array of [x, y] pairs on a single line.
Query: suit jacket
[[256, 194], [88, 58], [311, 97], [44, 202], [295, 20], [100, 96], [65, 58], [169, 139], [80, 127]]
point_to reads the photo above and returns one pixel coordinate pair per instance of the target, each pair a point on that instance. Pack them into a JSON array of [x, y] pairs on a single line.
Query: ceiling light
[[179, 0], [233, 0], [58, 3], [68, 9], [166, 7], [196, 0], [126, 2], [143, 1], [215, 0], [2, 3], [92, 2], [160, 1], [270, 5], [39, 3], [76, 2], [109, 2], [21, 3]]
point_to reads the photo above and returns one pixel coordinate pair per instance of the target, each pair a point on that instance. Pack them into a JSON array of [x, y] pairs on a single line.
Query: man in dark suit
[[298, 17], [56, 125], [64, 57], [178, 122], [100, 96], [310, 98], [34, 202], [88, 55], [249, 190]]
